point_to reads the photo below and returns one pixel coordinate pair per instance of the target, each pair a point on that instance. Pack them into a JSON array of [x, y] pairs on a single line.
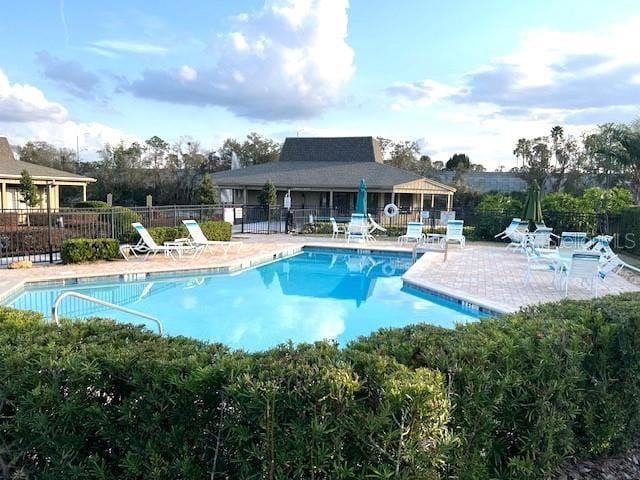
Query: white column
[[3, 196], [421, 201], [245, 196], [84, 192], [433, 201], [331, 200]]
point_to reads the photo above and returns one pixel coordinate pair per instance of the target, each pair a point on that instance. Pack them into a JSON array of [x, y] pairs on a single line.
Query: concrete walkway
[[483, 274]]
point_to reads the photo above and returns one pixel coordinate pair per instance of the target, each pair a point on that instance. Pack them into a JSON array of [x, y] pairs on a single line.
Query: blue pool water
[[312, 296]]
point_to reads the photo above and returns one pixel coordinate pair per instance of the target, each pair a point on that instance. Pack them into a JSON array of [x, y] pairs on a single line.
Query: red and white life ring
[[391, 210]]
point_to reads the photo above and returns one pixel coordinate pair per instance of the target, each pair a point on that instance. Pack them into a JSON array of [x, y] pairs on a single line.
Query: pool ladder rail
[[54, 308]]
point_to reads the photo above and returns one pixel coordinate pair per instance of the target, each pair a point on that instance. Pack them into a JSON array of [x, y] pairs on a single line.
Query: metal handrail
[[62, 296]]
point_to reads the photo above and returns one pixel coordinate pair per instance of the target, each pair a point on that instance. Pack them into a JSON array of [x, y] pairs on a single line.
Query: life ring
[[388, 270], [391, 210]]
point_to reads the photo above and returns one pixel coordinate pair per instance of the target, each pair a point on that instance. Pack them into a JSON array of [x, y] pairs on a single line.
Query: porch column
[[245, 196], [3, 196], [433, 201], [449, 202], [84, 192], [393, 197], [331, 200], [421, 201]]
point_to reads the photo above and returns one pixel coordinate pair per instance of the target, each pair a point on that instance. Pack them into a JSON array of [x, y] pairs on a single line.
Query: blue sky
[[455, 76]]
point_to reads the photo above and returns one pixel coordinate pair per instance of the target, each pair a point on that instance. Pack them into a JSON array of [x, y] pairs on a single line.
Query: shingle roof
[[330, 149], [296, 174], [9, 166]]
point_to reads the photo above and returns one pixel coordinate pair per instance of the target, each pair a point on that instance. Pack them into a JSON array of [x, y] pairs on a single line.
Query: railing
[[62, 296], [37, 236]]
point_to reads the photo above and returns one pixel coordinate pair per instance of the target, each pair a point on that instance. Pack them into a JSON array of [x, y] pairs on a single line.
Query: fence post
[[49, 223], [113, 222]]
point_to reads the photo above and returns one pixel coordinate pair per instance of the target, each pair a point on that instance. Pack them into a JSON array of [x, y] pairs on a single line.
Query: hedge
[[80, 250], [102, 400], [213, 230], [511, 397], [534, 388]]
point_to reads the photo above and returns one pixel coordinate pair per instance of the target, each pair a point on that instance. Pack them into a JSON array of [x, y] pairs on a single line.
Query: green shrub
[[532, 389], [102, 400], [80, 250], [629, 239], [213, 230], [216, 230], [91, 204], [119, 218]]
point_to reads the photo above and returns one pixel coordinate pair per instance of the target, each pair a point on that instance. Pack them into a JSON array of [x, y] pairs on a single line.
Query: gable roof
[[330, 149], [12, 168], [322, 175]]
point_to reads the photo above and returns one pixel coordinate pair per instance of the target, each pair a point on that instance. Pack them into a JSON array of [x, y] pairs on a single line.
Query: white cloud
[[188, 73], [26, 114], [426, 92], [22, 102], [289, 60], [124, 46], [575, 79]]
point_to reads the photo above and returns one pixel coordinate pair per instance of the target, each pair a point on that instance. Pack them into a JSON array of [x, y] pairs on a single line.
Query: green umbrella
[[532, 209], [361, 201]]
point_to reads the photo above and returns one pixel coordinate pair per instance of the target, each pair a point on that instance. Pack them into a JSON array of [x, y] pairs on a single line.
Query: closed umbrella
[[361, 200], [532, 209]]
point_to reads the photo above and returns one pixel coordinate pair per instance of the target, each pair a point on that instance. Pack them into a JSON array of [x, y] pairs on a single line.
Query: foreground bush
[[531, 389], [101, 400], [81, 250]]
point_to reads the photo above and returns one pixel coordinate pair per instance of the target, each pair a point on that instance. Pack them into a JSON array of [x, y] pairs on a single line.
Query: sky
[[466, 76]]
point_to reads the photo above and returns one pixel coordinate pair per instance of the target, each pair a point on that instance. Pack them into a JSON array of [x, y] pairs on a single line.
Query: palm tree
[[523, 150]]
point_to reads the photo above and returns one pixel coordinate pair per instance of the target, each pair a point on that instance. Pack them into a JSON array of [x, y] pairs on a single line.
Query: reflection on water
[[305, 298]]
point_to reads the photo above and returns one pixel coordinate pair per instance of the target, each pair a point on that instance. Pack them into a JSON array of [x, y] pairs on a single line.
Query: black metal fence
[[37, 235]]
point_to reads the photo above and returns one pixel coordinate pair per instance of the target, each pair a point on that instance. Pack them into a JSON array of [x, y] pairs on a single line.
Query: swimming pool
[[315, 295]]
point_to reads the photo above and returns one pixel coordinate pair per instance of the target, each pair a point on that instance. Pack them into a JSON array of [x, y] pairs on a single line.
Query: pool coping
[[468, 302]]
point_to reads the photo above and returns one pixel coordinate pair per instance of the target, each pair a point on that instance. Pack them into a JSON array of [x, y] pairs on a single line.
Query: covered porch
[[422, 194]]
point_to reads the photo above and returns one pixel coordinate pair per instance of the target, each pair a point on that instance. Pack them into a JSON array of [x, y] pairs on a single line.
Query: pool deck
[[484, 275]]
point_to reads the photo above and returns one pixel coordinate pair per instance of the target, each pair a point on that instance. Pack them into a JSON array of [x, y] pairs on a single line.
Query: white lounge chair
[[541, 238], [198, 238], [518, 236], [374, 225], [454, 233], [585, 266], [573, 240], [148, 246], [512, 226], [414, 233], [357, 228], [336, 229]]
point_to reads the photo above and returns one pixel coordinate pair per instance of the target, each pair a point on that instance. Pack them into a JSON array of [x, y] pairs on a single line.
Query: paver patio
[[482, 274]]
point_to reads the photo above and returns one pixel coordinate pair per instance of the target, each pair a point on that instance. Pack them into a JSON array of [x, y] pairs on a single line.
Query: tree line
[[178, 172], [610, 155]]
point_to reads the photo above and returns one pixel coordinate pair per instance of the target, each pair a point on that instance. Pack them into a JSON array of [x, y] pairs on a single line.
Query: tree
[[43, 153], [257, 149], [28, 190], [601, 152], [458, 161], [403, 155], [267, 196], [536, 156], [628, 155], [207, 193], [155, 158]]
